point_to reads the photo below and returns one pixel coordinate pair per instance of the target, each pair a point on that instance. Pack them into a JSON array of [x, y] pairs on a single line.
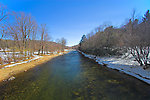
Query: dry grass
[[8, 72], [0, 60]]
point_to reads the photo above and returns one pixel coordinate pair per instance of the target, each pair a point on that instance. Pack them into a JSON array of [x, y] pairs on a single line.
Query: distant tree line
[[107, 40]]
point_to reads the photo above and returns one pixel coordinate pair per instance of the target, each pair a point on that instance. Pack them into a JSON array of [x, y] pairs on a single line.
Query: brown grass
[[0, 60], [8, 72]]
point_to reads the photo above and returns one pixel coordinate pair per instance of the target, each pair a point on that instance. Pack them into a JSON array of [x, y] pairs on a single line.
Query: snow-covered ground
[[123, 64], [5, 57], [11, 65]]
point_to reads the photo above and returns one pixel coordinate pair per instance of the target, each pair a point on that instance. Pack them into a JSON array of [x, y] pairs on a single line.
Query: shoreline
[[8, 72], [132, 70]]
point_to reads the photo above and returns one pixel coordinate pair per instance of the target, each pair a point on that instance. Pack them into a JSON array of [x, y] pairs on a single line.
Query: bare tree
[[22, 30], [138, 39], [3, 32], [46, 42], [3, 13], [44, 38], [33, 40], [63, 42], [25, 26]]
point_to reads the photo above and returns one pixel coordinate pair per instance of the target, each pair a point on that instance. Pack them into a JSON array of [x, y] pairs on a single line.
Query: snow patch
[[35, 57]]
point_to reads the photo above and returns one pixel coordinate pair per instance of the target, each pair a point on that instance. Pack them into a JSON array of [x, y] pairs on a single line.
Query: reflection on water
[[73, 77]]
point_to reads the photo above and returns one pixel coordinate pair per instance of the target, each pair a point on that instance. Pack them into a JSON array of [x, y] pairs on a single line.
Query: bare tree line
[[22, 34], [134, 36]]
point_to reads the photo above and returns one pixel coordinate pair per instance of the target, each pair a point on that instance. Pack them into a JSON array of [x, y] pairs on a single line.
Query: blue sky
[[73, 18]]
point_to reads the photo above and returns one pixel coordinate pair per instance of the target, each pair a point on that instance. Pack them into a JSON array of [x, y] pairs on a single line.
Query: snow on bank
[[126, 65], [35, 57]]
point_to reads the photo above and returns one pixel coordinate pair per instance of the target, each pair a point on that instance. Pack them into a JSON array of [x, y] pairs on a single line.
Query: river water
[[73, 77]]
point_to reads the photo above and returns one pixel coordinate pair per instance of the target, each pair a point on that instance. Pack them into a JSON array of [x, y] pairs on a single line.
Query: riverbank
[[127, 66], [9, 72]]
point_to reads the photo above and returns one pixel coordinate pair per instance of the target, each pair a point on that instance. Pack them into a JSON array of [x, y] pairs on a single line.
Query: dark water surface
[[73, 77]]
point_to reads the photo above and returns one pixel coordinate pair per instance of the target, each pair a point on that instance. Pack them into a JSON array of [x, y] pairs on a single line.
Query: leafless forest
[[133, 37], [21, 37]]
